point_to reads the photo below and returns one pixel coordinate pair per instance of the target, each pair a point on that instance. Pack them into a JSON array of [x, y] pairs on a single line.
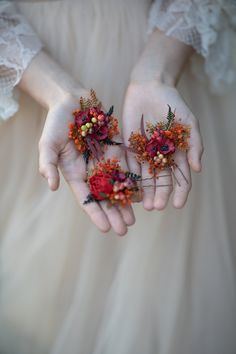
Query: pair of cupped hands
[[57, 152]]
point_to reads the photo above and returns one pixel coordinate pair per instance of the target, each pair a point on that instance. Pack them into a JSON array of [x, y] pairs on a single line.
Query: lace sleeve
[[18, 45], [206, 25]]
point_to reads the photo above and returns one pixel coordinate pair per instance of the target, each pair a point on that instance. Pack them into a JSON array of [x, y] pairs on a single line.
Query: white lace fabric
[[206, 25], [18, 45]]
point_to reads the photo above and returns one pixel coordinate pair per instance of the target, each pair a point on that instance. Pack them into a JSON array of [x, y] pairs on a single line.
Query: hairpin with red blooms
[[93, 128], [159, 147], [108, 181]]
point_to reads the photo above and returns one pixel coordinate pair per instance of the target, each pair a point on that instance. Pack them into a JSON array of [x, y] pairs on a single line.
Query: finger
[[127, 214], [148, 184], [93, 209], [133, 164], [164, 188], [127, 211], [115, 218], [195, 151], [182, 177], [48, 161]]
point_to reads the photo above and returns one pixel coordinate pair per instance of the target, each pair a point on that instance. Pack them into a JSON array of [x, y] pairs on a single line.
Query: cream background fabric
[[168, 287], [206, 25]]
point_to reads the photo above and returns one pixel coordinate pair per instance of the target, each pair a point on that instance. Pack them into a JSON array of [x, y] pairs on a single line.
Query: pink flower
[[160, 144], [101, 133], [82, 118], [152, 147], [118, 175], [166, 146]]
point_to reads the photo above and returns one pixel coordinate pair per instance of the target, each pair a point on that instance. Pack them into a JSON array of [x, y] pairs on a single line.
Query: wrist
[[48, 83], [63, 90], [139, 75], [162, 60]]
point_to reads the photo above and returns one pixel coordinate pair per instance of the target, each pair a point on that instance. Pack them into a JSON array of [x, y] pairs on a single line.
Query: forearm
[[163, 59], [47, 82]]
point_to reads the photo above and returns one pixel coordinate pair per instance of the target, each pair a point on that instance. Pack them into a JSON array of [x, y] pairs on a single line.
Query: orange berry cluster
[[164, 139]]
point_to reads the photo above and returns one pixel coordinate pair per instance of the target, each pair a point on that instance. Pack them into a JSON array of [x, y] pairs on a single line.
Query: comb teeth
[[92, 101]]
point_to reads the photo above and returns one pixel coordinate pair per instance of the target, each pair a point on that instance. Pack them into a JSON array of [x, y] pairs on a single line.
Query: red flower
[[166, 146], [82, 118], [160, 144], [101, 185], [152, 147], [118, 175], [101, 133]]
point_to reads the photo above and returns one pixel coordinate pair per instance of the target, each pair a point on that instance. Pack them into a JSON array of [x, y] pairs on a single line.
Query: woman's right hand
[[56, 152], [59, 92]]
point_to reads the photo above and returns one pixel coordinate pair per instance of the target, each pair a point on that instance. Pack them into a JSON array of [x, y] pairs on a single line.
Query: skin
[[46, 82], [152, 86]]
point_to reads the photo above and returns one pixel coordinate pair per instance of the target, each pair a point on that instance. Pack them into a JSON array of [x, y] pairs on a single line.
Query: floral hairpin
[[159, 147], [109, 182], [92, 127]]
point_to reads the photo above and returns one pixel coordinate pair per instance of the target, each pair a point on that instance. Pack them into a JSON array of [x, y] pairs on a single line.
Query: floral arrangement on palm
[[159, 146], [107, 181], [92, 128]]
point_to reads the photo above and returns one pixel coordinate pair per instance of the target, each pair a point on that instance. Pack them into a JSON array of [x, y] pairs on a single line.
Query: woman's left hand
[[150, 98]]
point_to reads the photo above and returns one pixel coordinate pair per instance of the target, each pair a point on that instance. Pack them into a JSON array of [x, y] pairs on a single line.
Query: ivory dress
[[169, 286]]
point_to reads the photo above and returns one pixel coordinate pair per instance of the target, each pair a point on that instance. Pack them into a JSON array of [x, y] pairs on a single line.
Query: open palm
[[151, 100], [56, 152]]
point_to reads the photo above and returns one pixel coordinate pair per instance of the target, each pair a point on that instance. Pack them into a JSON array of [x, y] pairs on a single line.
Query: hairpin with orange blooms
[[164, 139], [92, 128], [109, 182]]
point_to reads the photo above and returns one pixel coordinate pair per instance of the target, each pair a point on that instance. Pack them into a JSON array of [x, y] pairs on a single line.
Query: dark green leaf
[[103, 195], [108, 141], [86, 156], [109, 113], [90, 198], [170, 118], [133, 176]]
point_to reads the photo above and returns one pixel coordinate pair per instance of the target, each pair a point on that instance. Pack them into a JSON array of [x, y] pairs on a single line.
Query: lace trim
[[18, 45], [206, 25]]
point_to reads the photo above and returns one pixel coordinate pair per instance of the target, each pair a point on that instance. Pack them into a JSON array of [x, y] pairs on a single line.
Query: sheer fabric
[[18, 45], [205, 25]]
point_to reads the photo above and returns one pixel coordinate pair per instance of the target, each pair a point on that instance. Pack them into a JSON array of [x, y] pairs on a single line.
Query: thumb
[[48, 161]]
